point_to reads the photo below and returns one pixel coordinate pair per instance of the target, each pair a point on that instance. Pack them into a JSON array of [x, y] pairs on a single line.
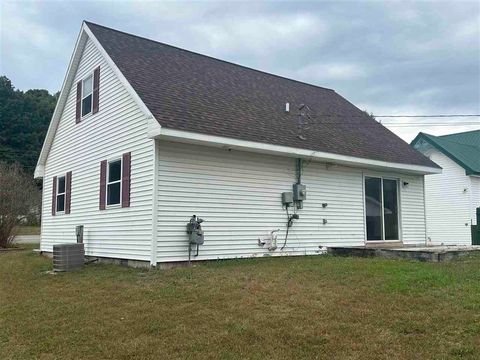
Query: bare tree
[[19, 199]]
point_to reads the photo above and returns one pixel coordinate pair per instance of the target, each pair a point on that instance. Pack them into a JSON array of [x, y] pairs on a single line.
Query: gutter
[[251, 146]]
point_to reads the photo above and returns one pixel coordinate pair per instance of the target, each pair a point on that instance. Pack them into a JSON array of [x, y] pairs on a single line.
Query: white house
[[452, 196], [145, 135]]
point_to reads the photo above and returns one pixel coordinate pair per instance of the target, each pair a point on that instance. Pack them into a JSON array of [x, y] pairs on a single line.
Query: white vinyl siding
[[118, 127], [238, 194], [412, 213], [448, 202]]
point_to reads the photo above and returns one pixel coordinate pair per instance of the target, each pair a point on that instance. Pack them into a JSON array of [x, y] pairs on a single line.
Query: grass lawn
[[284, 308]]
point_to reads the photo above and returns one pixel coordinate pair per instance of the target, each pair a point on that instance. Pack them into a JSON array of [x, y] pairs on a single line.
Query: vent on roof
[[67, 257], [287, 107]]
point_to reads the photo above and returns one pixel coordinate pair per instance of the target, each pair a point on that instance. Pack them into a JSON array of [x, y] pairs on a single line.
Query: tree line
[[24, 120]]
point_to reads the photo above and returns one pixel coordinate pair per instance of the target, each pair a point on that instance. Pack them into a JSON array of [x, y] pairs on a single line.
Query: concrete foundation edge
[[142, 264]]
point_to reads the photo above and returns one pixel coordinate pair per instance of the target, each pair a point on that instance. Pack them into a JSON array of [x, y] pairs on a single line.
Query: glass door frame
[[399, 210]]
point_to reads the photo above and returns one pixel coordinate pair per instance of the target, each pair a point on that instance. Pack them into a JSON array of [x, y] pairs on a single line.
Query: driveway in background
[[27, 239]]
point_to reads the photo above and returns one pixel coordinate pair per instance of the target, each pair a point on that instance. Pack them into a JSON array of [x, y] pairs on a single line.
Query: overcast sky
[[386, 57]]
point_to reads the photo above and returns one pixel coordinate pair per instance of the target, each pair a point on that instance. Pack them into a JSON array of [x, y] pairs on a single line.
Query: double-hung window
[[60, 201], [382, 209], [114, 182], [87, 95]]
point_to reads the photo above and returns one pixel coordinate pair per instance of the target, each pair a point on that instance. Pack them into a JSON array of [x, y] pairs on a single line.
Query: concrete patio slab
[[427, 253]]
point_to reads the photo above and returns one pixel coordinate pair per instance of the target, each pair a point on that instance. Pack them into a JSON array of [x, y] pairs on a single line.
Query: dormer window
[[87, 95]]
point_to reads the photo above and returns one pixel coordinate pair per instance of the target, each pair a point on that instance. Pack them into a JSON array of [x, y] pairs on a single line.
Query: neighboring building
[[452, 196], [145, 135]]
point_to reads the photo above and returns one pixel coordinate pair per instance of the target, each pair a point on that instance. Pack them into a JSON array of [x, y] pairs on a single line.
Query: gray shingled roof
[[196, 93]]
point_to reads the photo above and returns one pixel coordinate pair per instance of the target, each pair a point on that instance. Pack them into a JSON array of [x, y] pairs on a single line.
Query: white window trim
[[64, 194], [400, 232], [114, 182], [91, 75]]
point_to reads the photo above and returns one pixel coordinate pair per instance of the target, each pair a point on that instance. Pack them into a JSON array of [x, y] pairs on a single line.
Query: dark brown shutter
[[54, 195], [103, 184], [78, 114], [96, 89], [126, 179], [68, 192]]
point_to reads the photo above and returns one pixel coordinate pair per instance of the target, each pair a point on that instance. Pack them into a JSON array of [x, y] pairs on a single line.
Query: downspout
[[42, 222], [299, 163], [297, 204], [425, 211], [153, 247], [471, 208], [299, 170]]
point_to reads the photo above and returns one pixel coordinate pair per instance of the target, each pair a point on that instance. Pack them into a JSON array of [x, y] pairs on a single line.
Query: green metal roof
[[463, 148]]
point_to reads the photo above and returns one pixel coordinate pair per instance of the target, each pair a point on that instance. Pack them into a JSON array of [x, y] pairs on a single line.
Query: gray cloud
[[386, 57]]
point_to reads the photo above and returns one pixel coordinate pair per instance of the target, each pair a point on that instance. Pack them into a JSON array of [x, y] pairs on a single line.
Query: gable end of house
[[84, 35]]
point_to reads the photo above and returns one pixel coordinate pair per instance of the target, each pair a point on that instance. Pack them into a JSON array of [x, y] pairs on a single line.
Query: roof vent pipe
[[287, 107]]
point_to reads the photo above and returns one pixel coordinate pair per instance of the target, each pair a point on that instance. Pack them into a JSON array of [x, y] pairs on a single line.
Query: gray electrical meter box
[[299, 192], [287, 198]]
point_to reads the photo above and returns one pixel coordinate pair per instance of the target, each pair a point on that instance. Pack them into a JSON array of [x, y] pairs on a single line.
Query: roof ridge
[[207, 56], [446, 138], [459, 133]]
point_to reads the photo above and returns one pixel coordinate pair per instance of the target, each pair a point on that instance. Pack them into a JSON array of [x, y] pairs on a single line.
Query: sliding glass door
[[373, 206], [381, 209]]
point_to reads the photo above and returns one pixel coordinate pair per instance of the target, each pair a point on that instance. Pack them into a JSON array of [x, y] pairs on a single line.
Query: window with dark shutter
[[68, 192], [96, 89], [87, 95], [126, 170], [79, 103], [115, 182], [54, 195], [61, 194], [103, 184]]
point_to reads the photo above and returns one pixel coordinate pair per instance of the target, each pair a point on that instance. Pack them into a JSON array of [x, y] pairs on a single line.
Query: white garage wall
[[118, 127], [448, 202], [239, 196]]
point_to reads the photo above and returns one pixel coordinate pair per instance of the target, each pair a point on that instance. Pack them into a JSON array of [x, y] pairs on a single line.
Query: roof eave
[[62, 99], [245, 145]]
